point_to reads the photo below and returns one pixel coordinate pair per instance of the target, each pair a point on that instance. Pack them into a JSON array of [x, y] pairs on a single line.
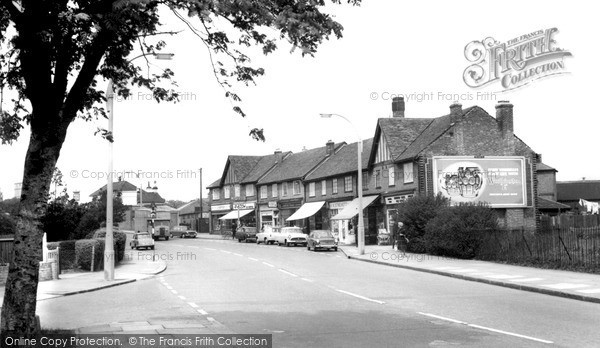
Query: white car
[[268, 234], [291, 236]]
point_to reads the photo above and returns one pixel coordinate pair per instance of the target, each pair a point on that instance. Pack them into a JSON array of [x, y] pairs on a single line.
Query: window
[[348, 184], [216, 194], [408, 172], [296, 188], [334, 186], [227, 192], [377, 176], [323, 188], [263, 191], [274, 190], [249, 190], [236, 190], [311, 189], [391, 176], [365, 181], [284, 189]]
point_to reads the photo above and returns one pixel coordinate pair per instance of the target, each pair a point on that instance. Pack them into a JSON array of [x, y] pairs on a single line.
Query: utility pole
[[200, 218]]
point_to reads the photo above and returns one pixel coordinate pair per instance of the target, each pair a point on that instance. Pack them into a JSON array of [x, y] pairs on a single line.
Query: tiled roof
[[548, 204], [262, 167], [400, 132], [150, 197], [190, 207], [432, 132], [118, 186], [574, 190], [343, 161], [217, 183], [297, 165], [242, 165], [542, 166]]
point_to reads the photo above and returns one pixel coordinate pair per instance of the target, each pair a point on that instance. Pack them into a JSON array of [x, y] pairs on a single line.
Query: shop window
[[348, 184], [311, 189], [274, 190], [263, 192], [227, 193], [408, 172], [249, 190], [216, 194], [296, 188], [236, 190], [334, 185], [391, 176], [323, 187]]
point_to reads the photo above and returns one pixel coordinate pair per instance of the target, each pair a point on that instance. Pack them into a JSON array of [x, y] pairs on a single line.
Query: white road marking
[[174, 292], [445, 268], [210, 249], [268, 264], [226, 252], [253, 259], [169, 287], [307, 280], [565, 286], [359, 296], [193, 305], [338, 256], [288, 273], [210, 319], [202, 311], [464, 270], [504, 276], [589, 291], [181, 297], [236, 254], [486, 328], [525, 280]]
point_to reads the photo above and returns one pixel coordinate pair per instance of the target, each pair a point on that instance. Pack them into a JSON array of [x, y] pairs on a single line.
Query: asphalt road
[[322, 299]]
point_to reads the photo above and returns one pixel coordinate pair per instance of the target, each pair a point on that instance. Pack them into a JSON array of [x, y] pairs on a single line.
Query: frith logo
[[514, 63]]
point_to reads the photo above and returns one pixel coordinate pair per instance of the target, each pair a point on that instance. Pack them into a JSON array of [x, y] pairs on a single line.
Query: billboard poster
[[498, 181]]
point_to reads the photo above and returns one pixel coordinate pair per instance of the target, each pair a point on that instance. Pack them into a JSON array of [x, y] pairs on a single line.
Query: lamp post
[[361, 226], [109, 251]]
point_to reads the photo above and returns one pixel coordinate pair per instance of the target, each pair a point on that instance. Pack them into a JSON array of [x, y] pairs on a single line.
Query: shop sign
[[396, 199], [338, 205], [272, 204], [292, 203], [244, 205], [220, 207]]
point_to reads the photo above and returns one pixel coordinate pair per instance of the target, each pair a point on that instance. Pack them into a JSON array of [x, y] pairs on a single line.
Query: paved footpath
[[574, 285]]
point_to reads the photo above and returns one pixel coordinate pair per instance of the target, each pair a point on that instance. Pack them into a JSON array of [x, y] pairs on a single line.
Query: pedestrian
[[233, 229]]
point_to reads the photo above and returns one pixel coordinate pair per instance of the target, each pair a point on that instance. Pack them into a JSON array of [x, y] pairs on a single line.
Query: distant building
[[570, 192], [189, 215], [18, 187]]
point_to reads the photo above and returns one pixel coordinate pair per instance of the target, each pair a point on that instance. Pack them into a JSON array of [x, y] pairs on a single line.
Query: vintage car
[[291, 236], [142, 240], [321, 239], [268, 235], [177, 231], [246, 233], [189, 234]]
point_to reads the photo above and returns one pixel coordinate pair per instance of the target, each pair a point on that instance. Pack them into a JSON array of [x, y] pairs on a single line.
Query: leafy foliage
[[95, 215], [458, 231], [415, 213]]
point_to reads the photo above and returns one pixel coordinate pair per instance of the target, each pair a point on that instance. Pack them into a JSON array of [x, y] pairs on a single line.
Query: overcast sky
[[389, 47]]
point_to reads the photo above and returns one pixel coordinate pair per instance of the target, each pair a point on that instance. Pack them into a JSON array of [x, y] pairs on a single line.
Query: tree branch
[[15, 13]]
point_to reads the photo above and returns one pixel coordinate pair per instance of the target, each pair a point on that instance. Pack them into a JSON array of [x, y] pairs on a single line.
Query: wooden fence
[[6, 249]]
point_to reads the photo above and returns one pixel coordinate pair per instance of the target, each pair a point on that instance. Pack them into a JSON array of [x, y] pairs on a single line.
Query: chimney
[[504, 117], [456, 108], [398, 107], [278, 155], [329, 147]]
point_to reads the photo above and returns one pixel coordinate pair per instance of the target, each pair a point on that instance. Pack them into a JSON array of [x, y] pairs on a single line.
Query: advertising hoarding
[[498, 181]]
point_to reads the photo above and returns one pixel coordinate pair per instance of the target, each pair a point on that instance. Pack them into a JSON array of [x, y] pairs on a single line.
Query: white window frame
[[263, 192], [408, 170], [323, 187], [334, 183], [284, 189], [274, 192], [296, 190], [249, 190], [391, 176], [311, 189], [348, 179], [227, 192], [237, 190], [216, 194]]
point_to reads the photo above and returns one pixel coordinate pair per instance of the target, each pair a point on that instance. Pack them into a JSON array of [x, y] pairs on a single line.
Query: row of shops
[[339, 217]]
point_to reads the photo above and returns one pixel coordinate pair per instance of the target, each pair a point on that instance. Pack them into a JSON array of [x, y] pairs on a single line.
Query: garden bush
[[458, 231], [415, 213], [83, 251], [66, 253], [119, 241]]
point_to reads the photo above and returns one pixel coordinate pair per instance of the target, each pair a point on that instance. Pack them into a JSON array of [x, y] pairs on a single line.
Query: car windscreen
[[322, 235]]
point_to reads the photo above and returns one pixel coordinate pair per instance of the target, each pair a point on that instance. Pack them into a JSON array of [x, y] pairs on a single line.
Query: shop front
[[339, 228], [243, 214], [218, 226], [348, 216], [308, 212], [268, 214], [286, 209]]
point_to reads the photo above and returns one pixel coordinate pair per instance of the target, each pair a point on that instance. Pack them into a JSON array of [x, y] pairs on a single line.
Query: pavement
[[567, 284]]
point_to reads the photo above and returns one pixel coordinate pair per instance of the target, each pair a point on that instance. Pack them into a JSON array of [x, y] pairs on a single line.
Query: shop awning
[[233, 215], [306, 210], [351, 209]]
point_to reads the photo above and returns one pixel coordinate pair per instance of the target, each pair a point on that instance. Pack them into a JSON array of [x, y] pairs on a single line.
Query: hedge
[[119, 242], [83, 250], [66, 253]]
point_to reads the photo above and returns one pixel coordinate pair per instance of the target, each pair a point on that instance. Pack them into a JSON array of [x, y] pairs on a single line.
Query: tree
[[415, 213], [94, 215], [175, 203], [55, 51]]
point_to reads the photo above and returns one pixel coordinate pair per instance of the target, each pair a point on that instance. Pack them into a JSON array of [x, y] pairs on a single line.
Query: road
[[322, 299]]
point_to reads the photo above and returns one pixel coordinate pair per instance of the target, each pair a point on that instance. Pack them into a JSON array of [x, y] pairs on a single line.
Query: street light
[[109, 251], [361, 227]]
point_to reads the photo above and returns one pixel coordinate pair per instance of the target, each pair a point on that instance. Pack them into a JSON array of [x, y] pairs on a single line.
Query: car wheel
[[308, 247], [152, 247], [132, 247], [239, 240], [166, 238], [335, 249]]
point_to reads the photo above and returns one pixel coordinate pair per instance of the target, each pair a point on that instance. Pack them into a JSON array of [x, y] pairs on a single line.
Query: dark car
[[321, 239], [246, 233], [189, 234]]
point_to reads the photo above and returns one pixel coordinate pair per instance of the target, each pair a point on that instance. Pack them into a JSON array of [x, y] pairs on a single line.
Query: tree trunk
[[20, 297]]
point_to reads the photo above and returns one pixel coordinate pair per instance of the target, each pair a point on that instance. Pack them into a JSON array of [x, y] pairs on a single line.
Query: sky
[[415, 49]]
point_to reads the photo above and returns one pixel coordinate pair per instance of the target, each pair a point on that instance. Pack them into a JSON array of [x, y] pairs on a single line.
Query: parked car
[[268, 235], [142, 240], [246, 233], [321, 239], [291, 236], [189, 234], [177, 231]]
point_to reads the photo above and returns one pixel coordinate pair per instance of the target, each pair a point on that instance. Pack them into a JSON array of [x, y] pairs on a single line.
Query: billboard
[[498, 181]]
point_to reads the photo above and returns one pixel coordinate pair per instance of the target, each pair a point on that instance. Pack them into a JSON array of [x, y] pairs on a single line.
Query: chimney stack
[[278, 155], [398, 107], [504, 117], [329, 147], [456, 108]]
